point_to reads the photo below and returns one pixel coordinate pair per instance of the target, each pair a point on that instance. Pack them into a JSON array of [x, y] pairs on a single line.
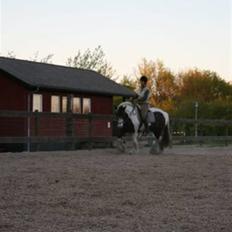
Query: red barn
[[38, 87]]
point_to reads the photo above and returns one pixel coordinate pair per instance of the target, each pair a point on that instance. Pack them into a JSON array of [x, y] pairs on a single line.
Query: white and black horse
[[129, 121]]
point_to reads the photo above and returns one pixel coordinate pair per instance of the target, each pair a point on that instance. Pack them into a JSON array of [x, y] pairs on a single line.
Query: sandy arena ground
[[187, 188]]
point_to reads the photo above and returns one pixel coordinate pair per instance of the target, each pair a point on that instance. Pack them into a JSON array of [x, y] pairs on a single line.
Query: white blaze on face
[[120, 123]]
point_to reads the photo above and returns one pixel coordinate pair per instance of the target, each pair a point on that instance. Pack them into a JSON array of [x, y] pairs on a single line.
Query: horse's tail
[[167, 138]]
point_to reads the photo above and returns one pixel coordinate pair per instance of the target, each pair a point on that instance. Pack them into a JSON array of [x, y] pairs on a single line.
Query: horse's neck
[[130, 110], [139, 112], [133, 110], [135, 113]]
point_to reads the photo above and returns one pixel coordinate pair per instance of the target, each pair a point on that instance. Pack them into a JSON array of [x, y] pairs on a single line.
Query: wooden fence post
[[28, 118], [69, 121], [227, 133], [90, 118], [36, 129]]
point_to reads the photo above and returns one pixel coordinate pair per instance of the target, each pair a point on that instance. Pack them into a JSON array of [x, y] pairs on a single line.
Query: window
[[37, 103], [64, 104], [76, 105], [86, 105], [55, 104]]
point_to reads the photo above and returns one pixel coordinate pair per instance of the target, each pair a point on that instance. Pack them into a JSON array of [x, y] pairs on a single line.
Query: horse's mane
[[125, 103], [130, 108]]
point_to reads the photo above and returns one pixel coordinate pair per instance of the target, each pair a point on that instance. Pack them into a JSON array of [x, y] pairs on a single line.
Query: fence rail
[[204, 130], [16, 114], [203, 139], [44, 128], [12, 140], [65, 130], [221, 122]]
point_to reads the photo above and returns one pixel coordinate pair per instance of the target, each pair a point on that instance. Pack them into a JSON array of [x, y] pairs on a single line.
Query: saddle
[[150, 116]]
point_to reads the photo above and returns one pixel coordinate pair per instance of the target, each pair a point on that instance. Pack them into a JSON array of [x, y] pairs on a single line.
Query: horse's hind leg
[[155, 146]]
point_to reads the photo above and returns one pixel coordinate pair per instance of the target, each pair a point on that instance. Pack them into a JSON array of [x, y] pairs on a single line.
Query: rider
[[142, 98]]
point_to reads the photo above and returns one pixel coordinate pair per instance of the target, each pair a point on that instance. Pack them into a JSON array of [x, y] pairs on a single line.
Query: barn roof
[[56, 77]]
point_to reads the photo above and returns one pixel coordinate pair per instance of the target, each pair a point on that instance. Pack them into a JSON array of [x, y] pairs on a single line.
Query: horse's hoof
[[155, 151], [133, 152]]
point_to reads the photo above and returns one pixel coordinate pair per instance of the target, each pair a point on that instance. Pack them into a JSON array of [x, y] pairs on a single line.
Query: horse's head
[[126, 114], [122, 109]]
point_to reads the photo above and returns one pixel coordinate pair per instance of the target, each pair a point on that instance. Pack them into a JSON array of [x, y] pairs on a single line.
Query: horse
[[129, 121]]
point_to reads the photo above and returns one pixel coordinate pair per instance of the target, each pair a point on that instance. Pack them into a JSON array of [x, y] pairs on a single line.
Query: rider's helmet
[[143, 79]]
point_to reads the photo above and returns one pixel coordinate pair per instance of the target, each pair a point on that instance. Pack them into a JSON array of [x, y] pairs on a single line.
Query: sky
[[182, 33]]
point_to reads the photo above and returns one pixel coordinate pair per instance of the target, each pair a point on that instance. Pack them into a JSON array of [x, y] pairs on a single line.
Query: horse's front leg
[[121, 145], [135, 143]]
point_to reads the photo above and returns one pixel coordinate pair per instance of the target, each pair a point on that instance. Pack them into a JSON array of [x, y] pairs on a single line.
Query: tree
[[162, 83], [11, 54], [128, 82], [92, 60], [213, 94], [203, 85], [35, 58], [46, 59]]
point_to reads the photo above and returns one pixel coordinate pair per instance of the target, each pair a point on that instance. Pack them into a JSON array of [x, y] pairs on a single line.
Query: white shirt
[[144, 95]]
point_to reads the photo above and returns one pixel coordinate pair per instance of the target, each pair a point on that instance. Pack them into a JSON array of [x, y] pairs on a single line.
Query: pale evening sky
[[182, 33]]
